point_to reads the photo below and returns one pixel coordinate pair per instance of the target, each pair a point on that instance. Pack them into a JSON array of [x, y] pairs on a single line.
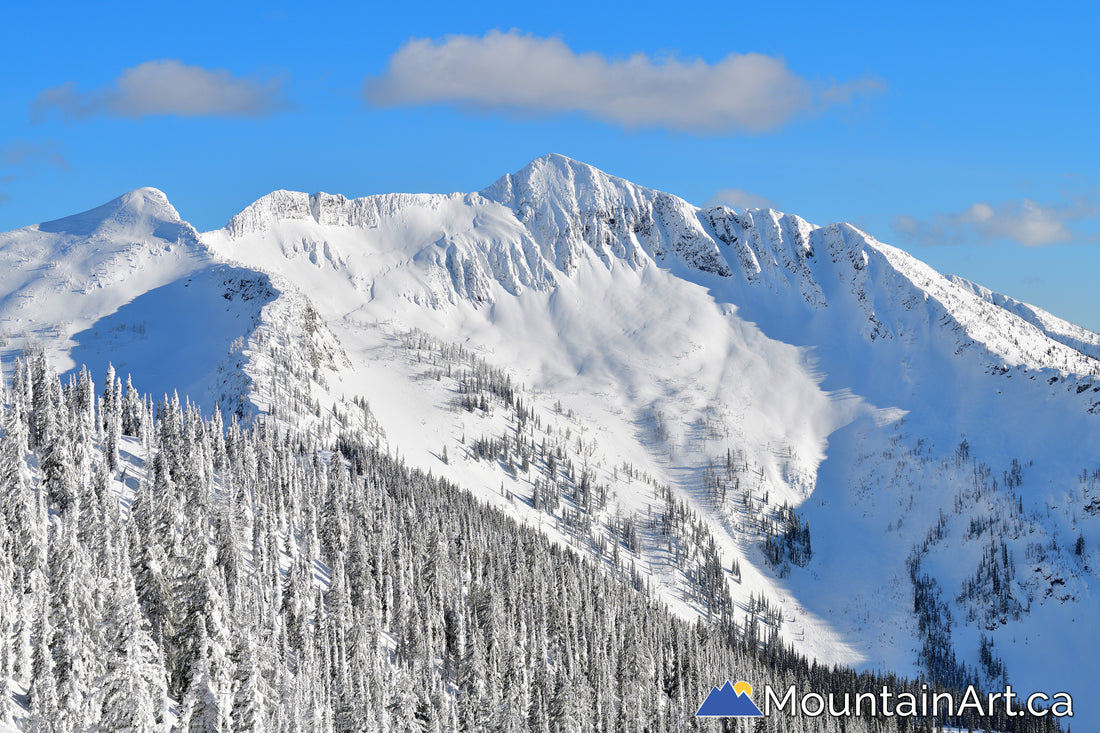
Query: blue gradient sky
[[970, 141]]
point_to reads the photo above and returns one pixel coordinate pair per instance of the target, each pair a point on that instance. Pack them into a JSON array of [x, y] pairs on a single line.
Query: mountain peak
[[559, 164], [141, 213], [149, 200], [562, 179]]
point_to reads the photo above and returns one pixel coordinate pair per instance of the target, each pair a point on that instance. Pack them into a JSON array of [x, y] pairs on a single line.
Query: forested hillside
[[160, 570]]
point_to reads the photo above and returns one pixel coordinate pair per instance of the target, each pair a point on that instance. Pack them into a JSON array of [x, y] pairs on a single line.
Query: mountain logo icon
[[729, 701]]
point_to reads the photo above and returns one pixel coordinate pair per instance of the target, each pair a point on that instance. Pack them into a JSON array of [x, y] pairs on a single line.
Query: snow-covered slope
[[1072, 335], [130, 282], [668, 330], [59, 277], [739, 363]]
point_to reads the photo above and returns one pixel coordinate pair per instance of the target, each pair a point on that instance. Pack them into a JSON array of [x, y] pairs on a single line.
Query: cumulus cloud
[[740, 199], [524, 74], [166, 87], [1026, 222]]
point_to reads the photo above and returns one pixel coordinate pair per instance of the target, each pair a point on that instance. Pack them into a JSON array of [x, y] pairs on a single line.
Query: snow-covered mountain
[[564, 334]]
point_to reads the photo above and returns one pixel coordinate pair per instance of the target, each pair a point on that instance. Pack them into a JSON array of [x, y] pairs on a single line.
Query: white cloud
[[1026, 222], [740, 199], [523, 74], [166, 87]]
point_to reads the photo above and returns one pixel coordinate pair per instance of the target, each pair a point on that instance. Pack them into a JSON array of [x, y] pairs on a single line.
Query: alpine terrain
[[562, 454]]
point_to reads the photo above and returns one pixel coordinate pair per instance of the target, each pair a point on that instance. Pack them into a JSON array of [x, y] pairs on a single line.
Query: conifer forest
[[165, 570]]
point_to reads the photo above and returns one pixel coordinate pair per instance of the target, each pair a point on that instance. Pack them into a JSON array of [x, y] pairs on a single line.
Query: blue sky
[[962, 132]]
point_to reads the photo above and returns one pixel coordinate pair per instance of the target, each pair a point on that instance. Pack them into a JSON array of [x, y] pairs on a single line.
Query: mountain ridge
[[617, 221]]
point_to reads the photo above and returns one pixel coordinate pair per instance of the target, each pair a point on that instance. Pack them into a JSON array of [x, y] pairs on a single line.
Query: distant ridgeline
[[160, 569]]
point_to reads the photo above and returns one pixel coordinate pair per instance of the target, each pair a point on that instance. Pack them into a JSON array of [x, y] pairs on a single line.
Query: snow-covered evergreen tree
[[132, 692]]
